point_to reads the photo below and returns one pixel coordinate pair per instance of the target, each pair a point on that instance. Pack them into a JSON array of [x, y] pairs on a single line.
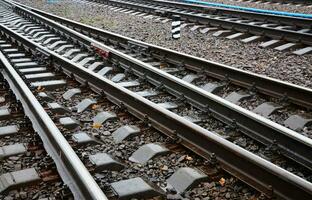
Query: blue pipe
[[301, 15]]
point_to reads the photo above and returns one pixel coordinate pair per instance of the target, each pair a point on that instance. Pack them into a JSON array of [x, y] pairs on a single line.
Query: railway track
[[26, 168], [261, 98], [137, 92], [279, 32], [90, 147], [210, 76], [95, 146]]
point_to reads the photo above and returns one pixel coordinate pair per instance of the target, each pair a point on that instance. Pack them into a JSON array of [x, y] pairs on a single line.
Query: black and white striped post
[[176, 27]]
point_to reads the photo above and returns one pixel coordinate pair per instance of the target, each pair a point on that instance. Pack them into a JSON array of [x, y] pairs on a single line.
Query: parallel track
[[279, 32], [200, 98], [23, 158], [69, 166], [233, 159], [94, 145], [39, 55]]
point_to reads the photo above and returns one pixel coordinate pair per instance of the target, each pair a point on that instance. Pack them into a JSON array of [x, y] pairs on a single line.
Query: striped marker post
[[176, 27]]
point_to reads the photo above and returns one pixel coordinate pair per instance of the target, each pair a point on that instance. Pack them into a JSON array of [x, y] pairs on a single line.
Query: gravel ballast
[[269, 62]]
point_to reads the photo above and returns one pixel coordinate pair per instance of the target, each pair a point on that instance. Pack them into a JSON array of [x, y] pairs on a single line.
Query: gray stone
[[134, 188], [39, 33], [8, 130], [21, 60], [33, 70], [302, 51], [15, 179], [10, 50], [49, 85], [26, 65], [86, 61], [68, 123], [124, 132], [192, 119], [44, 37], [79, 57], [95, 65], [105, 71], [147, 152], [194, 28], [63, 48], [4, 113], [206, 30], [16, 55], [12, 150], [235, 36], [270, 43], [129, 84], [56, 43], [49, 40], [102, 117], [213, 87], [45, 97], [168, 105], [254, 38], [222, 33], [4, 46], [268, 25], [147, 93], [84, 104], [185, 178], [171, 70], [82, 138], [118, 77], [286, 46], [190, 78], [33, 32], [103, 161], [267, 108], [236, 97], [297, 122], [70, 93], [71, 52], [57, 108], [40, 76]]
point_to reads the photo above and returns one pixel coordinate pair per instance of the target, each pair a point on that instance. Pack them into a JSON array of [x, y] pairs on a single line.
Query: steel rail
[[280, 34], [69, 166], [291, 144], [255, 171], [296, 94], [284, 20]]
